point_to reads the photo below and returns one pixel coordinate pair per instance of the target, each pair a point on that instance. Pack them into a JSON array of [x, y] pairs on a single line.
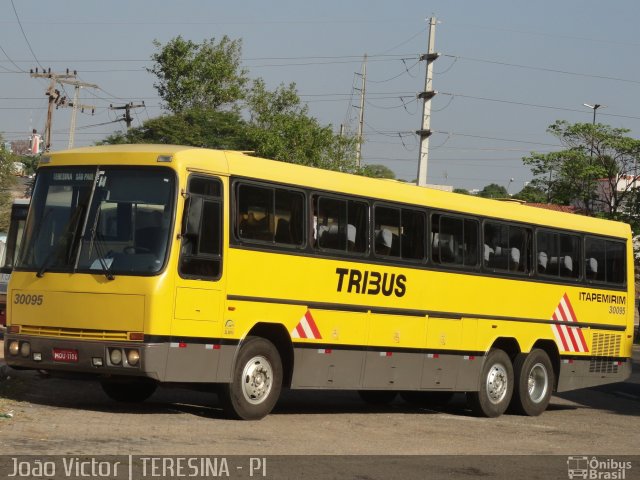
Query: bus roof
[[245, 165]]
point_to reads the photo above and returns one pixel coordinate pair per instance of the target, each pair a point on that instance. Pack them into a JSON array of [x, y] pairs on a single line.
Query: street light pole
[[595, 108]]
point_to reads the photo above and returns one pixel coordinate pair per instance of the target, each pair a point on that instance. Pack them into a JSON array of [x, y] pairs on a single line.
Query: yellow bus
[[146, 264]]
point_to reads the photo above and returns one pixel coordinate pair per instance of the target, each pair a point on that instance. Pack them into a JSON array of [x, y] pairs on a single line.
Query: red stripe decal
[[312, 325]]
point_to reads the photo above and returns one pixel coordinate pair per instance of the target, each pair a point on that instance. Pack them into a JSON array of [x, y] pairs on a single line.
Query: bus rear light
[[14, 347], [14, 329], [133, 357], [25, 349], [115, 356], [136, 336]]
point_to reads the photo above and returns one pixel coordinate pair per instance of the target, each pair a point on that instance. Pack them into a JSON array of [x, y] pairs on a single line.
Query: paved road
[[55, 416]]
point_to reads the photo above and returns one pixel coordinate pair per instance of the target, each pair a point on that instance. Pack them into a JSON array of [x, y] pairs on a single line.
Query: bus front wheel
[[496, 386], [534, 383], [256, 381]]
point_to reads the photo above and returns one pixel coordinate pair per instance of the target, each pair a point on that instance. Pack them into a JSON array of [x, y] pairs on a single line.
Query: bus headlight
[[14, 347], [25, 349], [115, 355], [133, 357]]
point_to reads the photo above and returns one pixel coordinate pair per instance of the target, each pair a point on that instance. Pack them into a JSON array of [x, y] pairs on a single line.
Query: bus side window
[[454, 241], [387, 231], [201, 249], [340, 224], [269, 214], [412, 234], [506, 247], [605, 260], [558, 254]]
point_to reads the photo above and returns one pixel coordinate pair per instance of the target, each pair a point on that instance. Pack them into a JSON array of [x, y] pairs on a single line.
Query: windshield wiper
[[71, 234], [98, 243]]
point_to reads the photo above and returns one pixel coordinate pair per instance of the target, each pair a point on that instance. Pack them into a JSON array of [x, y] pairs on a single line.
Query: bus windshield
[[104, 220]]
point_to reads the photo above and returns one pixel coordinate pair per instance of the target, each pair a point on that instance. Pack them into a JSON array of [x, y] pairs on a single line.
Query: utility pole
[[127, 112], [74, 111], [56, 100], [363, 90], [426, 95]]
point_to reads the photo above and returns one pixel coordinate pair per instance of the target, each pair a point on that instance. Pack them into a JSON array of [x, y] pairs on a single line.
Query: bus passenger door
[[193, 351]]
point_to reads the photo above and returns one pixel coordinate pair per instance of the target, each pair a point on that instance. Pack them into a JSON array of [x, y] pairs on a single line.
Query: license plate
[[65, 355]]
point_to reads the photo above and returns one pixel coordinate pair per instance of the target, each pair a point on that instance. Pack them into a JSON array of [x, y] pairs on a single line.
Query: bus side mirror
[[193, 216]]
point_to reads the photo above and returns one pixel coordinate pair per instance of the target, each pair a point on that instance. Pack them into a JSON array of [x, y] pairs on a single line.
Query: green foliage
[[196, 127], [282, 129], [377, 171], [7, 181], [462, 191], [493, 190], [205, 75], [531, 194], [30, 162], [588, 170], [202, 85]]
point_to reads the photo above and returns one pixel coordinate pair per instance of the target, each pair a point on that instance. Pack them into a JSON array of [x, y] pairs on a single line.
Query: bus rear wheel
[[256, 381], [128, 390], [534, 383], [496, 386]]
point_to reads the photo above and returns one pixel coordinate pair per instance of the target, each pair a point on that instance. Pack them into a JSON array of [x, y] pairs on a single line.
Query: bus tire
[[534, 379], [129, 390], [427, 398], [377, 397], [256, 381], [495, 386]]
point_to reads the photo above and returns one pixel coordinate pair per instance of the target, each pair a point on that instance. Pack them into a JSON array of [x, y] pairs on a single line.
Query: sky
[[507, 70]]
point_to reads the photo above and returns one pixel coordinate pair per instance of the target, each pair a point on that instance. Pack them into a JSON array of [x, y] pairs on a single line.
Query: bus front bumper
[[85, 357]]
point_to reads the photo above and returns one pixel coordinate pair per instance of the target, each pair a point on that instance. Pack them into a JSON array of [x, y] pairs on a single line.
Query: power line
[[544, 69], [21, 70], [25, 36]]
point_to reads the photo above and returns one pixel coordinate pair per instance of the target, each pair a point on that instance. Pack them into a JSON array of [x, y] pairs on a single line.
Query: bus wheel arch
[[256, 380], [509, 345], [279, 336]]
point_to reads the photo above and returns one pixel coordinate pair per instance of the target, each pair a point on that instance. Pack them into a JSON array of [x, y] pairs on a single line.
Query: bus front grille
[[73, 333]]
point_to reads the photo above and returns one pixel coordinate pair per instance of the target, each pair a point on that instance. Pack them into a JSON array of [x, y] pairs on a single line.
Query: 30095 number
[[23, 299]]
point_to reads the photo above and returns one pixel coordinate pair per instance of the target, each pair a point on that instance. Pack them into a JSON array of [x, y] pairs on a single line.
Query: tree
[[493, 190], [281, 128], [378, 171], [531, 194], [595, 170], [7, 181], [462, 191], [196, 127], [202, 85], [205, 75]]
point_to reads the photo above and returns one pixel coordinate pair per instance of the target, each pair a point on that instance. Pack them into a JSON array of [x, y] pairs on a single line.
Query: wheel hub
[[538, 383], [257, 380], [497, 383]]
